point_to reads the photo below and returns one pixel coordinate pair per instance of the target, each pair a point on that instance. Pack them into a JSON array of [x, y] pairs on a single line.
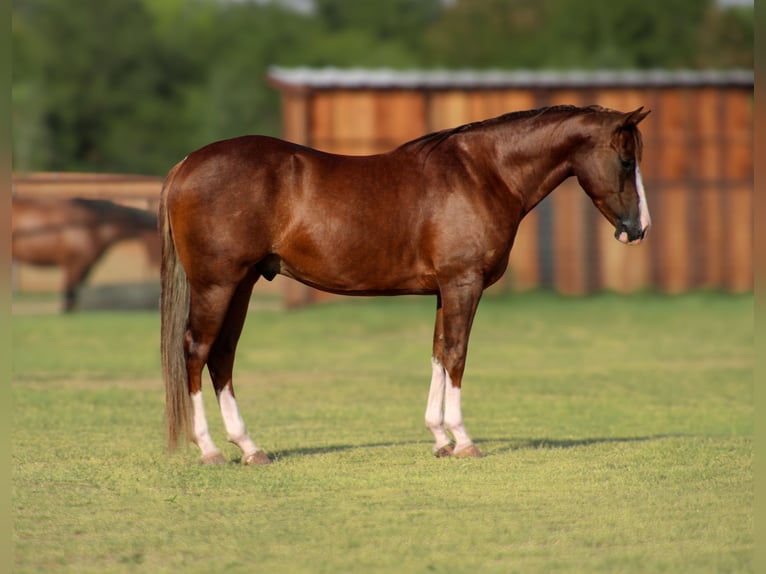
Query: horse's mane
[[106, 210], [439, 137]]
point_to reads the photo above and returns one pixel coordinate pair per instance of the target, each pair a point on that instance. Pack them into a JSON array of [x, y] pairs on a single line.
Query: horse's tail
[[174, 312]]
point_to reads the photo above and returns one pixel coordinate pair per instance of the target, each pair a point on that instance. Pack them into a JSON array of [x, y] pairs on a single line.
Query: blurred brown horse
[[74, 233], [435, 216]]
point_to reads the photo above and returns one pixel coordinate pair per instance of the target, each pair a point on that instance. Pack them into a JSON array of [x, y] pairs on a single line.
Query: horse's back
[[30, 212], [38, 226]]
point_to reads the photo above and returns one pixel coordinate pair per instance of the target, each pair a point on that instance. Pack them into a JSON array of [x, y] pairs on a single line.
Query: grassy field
[[617, 435]]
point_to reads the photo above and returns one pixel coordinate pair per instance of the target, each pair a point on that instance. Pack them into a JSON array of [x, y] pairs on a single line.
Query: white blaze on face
[[643, 211], [643, 206]]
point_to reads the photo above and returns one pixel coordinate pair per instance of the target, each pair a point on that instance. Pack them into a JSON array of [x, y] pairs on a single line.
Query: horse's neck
[[534, 162], [111, 231], [123, 225]]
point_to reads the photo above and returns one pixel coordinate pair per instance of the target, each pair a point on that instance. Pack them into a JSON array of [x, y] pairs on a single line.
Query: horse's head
[[609, 173]]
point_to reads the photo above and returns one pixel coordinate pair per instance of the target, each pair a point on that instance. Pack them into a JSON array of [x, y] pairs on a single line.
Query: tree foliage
[[134, 85]]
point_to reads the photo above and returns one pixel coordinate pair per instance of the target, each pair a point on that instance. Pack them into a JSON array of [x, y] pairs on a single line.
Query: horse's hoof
[[469, 451], [444, 452], [258, 457], [212, 459]]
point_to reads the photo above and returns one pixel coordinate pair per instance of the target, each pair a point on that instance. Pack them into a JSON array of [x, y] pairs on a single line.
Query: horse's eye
[[628, 164]]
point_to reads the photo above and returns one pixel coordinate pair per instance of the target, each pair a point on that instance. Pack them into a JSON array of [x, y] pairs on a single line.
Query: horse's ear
[[632, 119]]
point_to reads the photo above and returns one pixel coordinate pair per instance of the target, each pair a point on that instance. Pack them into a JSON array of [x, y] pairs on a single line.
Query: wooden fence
[[698, 171], [697, 164]]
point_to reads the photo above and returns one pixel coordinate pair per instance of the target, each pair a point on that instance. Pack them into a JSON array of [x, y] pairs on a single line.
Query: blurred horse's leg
[[76, 270]]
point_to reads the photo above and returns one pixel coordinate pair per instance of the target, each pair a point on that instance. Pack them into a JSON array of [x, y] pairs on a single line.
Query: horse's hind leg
[[221, 363], [207, 311]]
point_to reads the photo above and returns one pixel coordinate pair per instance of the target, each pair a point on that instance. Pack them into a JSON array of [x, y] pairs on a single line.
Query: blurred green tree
[[134, 85], [92, 86], [595, 34]]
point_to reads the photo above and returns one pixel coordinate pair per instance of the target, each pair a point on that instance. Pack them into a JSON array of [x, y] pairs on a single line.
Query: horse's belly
[[37, 251], [367, 275]]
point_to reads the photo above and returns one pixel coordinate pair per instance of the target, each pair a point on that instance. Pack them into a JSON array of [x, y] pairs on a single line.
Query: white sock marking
[[435, 407], [232, 420], [201, 433], [453, 416]]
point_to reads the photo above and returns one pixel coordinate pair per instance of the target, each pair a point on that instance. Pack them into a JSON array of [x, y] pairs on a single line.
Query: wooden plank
[[738, 258], [567, 97], [91, 185], [738, 135], [479, 106], [709, 160], [524, 266], [672, 249], [400, 116], [739, 111], [570, 274], [353, 121], [295, 117], [321, 135], [31, 279], [571, 238], [673, 130], [516, 101], [448, 109], [738, 154], [706, 112], [709, 235], [494, 103]]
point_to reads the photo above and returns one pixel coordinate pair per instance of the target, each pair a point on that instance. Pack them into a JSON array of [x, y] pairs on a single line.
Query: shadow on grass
[[488, 446], [553, 444]]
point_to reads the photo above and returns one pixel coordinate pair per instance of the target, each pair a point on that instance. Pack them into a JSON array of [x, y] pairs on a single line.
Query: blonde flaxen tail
[[174, 312]]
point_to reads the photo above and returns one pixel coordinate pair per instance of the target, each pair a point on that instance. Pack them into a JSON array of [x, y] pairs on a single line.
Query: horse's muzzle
[[630, 234]]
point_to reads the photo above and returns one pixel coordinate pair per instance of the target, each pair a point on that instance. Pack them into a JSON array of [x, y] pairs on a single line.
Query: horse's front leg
[[435, 410], [435, 407], [456, 308]]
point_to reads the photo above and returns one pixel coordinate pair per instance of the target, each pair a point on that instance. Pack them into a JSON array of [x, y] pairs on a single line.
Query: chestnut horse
[[74, 233], [435, 216]]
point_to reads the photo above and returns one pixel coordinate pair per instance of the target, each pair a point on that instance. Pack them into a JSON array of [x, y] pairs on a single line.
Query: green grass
[[617, 434]]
